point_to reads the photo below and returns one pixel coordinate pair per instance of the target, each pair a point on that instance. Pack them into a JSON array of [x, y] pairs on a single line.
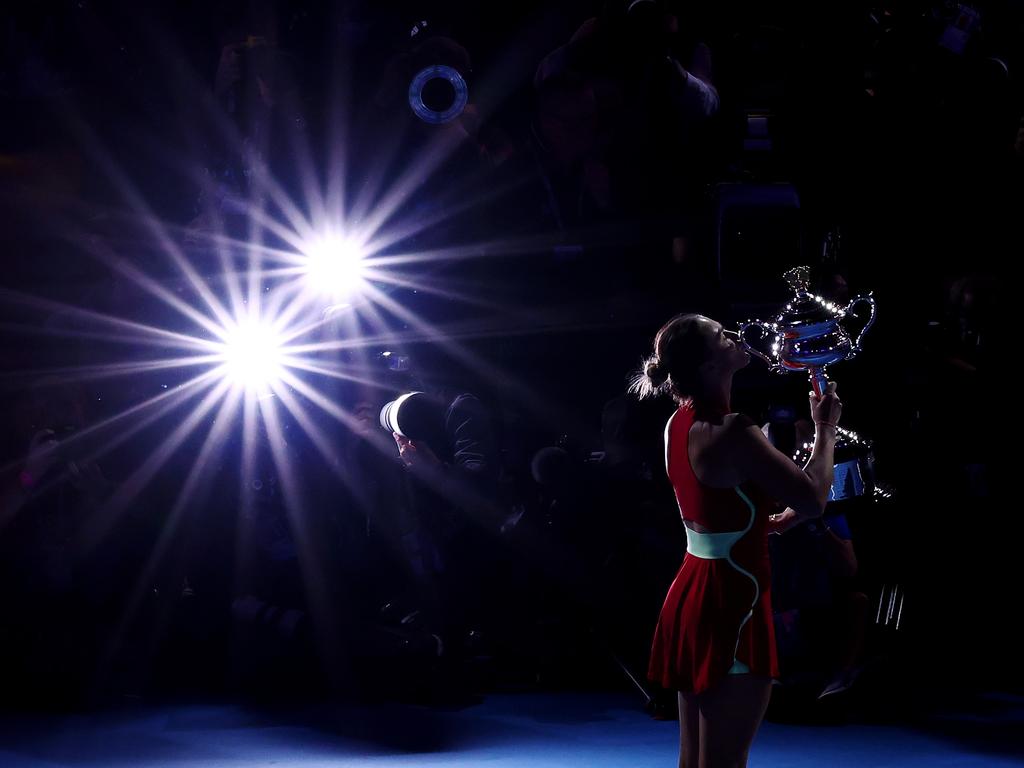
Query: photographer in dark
[[257, 89], [401, 599], [445, 439], [50, 580], [621, 123]]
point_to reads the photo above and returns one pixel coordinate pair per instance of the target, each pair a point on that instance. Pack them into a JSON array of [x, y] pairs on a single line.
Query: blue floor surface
[[504, 731]]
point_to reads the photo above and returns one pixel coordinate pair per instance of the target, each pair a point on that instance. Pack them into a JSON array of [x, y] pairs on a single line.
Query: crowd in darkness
[[615, 165]]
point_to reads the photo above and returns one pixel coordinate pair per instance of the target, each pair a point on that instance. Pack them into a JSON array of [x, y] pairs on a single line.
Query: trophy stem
[[819, 382]]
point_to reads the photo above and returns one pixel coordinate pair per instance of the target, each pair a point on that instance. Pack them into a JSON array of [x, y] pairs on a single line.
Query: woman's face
[[725, 353]]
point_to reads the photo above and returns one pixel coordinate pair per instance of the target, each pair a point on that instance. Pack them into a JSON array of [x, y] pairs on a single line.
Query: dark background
[[912, 150]]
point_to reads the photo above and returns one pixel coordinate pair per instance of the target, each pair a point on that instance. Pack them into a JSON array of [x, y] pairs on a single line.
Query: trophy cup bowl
[[808, 333]]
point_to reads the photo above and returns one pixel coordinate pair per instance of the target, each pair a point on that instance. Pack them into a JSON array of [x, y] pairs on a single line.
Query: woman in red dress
[[715, 643]]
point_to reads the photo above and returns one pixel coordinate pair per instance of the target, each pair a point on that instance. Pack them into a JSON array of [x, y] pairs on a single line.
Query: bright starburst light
[[230, 343], [253, 355], [335, 266]]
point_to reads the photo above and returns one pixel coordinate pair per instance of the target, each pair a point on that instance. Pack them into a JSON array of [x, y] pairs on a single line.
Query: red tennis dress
[[717, 616]]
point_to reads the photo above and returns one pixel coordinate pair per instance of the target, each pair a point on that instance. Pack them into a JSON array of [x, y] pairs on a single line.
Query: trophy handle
[[751, 348], [870, 301], [819, 379]]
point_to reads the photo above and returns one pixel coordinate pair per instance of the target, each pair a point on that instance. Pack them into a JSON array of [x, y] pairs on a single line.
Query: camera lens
[[414, 415], [438, 102], [389, 414]]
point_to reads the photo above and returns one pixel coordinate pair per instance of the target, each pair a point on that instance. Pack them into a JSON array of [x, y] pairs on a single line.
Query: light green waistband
[[711, 546]]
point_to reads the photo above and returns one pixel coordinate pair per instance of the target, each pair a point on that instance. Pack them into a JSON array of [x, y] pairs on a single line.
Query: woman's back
[[707, 484]]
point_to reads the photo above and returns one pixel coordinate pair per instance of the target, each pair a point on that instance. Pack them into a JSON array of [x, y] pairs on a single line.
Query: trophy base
[[854, 467]]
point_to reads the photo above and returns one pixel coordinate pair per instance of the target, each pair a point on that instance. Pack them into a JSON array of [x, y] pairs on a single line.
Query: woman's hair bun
[[655, 371]]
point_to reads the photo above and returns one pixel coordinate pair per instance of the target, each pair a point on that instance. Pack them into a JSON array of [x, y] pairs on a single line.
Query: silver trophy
[[809, 333]]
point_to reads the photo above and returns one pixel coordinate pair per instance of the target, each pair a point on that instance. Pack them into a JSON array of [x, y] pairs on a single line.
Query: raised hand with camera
[[417, 455]]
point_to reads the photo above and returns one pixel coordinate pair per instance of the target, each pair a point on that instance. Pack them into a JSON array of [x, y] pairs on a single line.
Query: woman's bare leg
[[730, 715], [689, 731]]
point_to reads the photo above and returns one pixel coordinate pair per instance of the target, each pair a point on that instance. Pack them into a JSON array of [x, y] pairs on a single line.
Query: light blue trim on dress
[[718, 546]]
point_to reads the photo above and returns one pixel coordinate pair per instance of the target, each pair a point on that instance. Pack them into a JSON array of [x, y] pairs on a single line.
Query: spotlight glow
[[253, 355], [335, 266], [255, 329]]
